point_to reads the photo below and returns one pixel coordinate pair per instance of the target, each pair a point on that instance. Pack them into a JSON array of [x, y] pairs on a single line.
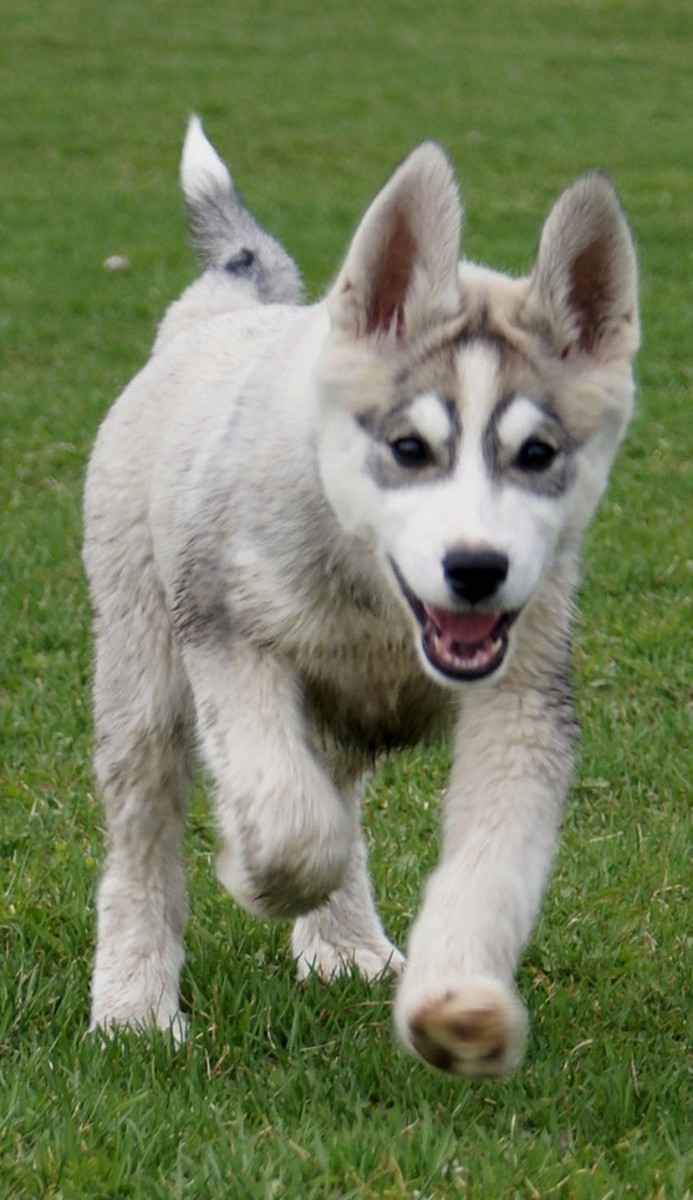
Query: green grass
[[304, 1094]]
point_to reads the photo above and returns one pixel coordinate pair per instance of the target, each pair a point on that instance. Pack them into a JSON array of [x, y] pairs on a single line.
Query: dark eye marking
[[536, 455], [411, 452]]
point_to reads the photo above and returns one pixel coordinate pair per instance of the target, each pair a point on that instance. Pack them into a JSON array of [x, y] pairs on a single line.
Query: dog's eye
[[410, 451], [535, 455]]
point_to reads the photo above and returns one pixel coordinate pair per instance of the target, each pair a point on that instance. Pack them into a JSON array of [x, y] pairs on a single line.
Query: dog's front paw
[[294, 865], [316, 955], [475, 1028]]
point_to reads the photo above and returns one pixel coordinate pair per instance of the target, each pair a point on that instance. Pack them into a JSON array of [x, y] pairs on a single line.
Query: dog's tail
[[225, 235]]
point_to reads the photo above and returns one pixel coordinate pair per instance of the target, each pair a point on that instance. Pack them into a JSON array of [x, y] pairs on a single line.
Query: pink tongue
[[469, 629]]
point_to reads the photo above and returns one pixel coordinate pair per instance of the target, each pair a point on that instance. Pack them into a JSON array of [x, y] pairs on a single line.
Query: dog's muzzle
[[460, 645]]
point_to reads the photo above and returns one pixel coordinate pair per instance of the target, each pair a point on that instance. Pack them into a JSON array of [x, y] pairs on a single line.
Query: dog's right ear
[[400, 272]]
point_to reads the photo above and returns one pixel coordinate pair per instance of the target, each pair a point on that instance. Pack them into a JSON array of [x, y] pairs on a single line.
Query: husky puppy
[[315, 533]]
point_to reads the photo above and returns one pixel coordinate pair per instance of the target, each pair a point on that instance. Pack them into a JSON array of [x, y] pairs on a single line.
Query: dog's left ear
[[400, 272], [583, 292]]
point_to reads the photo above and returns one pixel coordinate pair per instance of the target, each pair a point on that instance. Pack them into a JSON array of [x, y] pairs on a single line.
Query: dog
[[318, 532]]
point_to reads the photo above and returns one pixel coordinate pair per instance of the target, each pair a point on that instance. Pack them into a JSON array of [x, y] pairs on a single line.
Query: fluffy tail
[[225, 235]]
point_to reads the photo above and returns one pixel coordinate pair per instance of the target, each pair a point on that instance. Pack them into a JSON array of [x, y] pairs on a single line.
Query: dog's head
[[467, 420]]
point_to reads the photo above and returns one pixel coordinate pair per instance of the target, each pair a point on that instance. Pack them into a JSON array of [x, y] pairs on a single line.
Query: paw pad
[[473, 1031]]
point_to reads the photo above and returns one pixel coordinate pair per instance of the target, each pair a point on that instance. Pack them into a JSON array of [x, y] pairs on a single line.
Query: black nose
[[474, 575]]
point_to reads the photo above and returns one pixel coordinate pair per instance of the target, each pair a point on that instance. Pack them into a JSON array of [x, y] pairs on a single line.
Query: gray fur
[[226, 237]]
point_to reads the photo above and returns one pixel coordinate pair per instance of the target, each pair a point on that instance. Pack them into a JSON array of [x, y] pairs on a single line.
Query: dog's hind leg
[[286, 831], [142, 763], [346, 931]]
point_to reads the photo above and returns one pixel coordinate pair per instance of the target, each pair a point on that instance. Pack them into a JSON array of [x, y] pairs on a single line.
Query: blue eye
[[536, 455], [410, 451]]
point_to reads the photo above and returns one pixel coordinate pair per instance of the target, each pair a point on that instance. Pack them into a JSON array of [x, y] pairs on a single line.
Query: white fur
[[200, 163], [248, 528], [431, 420], [520, 419]]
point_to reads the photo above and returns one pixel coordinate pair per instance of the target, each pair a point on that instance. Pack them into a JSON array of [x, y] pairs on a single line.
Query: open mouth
[[460, 645]]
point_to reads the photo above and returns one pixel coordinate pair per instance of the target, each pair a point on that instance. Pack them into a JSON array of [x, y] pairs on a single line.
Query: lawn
[[303, 1094]]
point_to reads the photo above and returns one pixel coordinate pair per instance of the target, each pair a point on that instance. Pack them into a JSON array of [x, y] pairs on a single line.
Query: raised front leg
[[286, 831], [346, 931], [457, 1007]]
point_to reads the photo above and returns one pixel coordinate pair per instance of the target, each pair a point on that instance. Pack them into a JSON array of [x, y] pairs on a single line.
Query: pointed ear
[[400, 272], [584, 291]]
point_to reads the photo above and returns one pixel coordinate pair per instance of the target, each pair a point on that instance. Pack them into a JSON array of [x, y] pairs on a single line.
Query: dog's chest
[[363, 685]]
